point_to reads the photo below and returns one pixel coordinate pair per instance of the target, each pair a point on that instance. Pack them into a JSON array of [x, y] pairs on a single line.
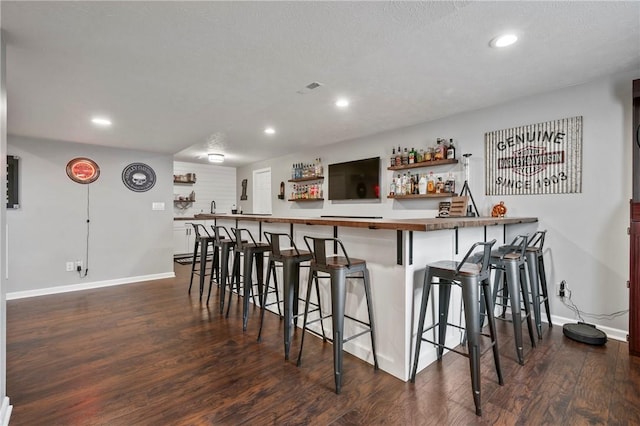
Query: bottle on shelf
[[405, 157], [392, 187], [422, 185], [412, 156], [398, 157], [451, 151], [431, 184], [420, 156], [439, 185], [392, 159], [452, 182]]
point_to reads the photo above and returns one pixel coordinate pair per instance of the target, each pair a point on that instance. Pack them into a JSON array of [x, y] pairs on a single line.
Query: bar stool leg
[[271, 265], [224, 271], [312, 275], [524, 288], [472, 319], [532, 269], [512, 283], [367, 291], [492, 328], [203, 265], [426, 289], [338, 294], [248, 270], [235, 279], [193, 263], [289, 284], [543, 284], [444, 296]]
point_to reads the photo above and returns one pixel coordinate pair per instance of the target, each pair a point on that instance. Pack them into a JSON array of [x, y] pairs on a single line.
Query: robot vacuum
[[584, 333]]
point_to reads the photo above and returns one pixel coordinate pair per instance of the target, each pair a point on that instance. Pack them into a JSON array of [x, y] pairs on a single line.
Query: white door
[[262, 191]]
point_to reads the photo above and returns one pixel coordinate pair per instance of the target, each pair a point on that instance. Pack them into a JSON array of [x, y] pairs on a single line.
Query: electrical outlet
[[70, 267], [78, 265], [561, 289]]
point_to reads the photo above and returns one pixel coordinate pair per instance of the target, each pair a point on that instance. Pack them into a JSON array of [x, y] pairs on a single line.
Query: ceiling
[[188, 78]]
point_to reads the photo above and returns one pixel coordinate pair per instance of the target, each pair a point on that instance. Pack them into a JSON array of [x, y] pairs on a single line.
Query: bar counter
[[396, 251]]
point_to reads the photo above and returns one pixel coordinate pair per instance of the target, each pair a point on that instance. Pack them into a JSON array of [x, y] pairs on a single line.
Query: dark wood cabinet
[[634, 232]]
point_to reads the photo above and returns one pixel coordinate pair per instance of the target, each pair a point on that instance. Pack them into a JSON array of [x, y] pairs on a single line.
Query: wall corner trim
[[87, 286]]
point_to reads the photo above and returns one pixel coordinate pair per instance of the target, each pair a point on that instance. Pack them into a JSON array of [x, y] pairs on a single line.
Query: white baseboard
[[5, 411], [87, 286], [612, 333]]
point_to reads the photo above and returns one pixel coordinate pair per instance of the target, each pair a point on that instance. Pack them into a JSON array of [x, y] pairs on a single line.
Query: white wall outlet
[[157, 206], [78, 264], [70, 267]]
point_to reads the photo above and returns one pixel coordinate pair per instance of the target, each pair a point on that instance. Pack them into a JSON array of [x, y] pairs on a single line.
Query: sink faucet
[[213, 207]]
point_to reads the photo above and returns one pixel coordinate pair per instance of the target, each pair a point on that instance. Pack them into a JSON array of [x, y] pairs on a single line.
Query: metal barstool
[[251, 251], [538, 279], [224, 244], [508, 262], [291, 260], [202, 241], [338, 268], [470, 277]]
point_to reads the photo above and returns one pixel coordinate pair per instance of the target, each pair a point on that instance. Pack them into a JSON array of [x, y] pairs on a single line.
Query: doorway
[[262, 191]]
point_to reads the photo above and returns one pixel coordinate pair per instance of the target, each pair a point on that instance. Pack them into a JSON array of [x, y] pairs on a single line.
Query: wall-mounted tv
[[355, 180]]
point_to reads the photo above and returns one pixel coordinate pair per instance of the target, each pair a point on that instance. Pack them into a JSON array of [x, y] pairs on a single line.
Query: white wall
[[587, 243], [213, 183], [127, 241]]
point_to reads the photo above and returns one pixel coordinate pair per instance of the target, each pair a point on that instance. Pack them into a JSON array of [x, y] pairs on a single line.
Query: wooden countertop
[[418, 224]]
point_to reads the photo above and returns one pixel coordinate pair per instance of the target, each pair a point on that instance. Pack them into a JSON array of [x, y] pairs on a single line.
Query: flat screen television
[[355, 180]]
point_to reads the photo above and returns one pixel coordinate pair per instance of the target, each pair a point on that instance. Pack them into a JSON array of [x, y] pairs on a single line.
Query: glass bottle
[[422, 185], [431, 184], [451, 151], [392, 187], [398, 157]]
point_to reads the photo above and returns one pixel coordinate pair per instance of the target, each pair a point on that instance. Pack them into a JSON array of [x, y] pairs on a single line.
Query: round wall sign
[[138, 177], [83, 170]]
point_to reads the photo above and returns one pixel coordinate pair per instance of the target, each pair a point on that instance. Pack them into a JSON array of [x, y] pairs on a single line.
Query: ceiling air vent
[[309, 87]]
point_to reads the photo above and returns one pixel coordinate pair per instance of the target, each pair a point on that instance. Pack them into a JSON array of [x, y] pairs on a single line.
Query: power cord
[[565, 297], [86, 258]]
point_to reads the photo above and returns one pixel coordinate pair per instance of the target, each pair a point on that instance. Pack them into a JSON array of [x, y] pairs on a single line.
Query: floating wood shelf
[[306, 199], [415, 196], [423, 164], [306, 179]]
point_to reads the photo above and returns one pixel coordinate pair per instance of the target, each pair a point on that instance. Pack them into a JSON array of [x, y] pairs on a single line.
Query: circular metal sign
[[138, 177], [83, 170]]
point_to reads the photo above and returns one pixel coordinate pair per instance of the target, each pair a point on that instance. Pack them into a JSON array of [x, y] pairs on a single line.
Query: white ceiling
[[187, 78]]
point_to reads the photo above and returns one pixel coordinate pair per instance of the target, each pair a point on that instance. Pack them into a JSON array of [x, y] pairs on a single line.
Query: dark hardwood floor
[[149, 354]]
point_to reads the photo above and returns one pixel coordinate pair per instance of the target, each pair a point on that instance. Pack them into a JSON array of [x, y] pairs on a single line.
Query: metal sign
[[138, 177], [542, 158]]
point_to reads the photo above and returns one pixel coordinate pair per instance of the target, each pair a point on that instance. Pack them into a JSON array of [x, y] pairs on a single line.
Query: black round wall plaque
[[138, 177]]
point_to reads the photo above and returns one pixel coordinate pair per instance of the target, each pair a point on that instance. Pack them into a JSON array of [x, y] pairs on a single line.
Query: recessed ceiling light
[[216, 158], [270, 130], [101, 121], [342, 103], [503, 40]]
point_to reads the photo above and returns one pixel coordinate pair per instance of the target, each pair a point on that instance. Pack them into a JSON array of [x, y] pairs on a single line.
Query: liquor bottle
[[398, 157], [431, 184], [392, 161], [412, 156], [422, 185], [439, 185], [405, 157], [451, 151], [420, 156], [392, 187], [452, 183]]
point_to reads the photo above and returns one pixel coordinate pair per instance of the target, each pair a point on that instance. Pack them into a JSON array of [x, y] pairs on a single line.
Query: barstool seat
[[471, 277], [338, 268]]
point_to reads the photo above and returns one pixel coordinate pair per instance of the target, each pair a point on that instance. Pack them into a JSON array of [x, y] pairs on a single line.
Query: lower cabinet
[[183, 235]]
